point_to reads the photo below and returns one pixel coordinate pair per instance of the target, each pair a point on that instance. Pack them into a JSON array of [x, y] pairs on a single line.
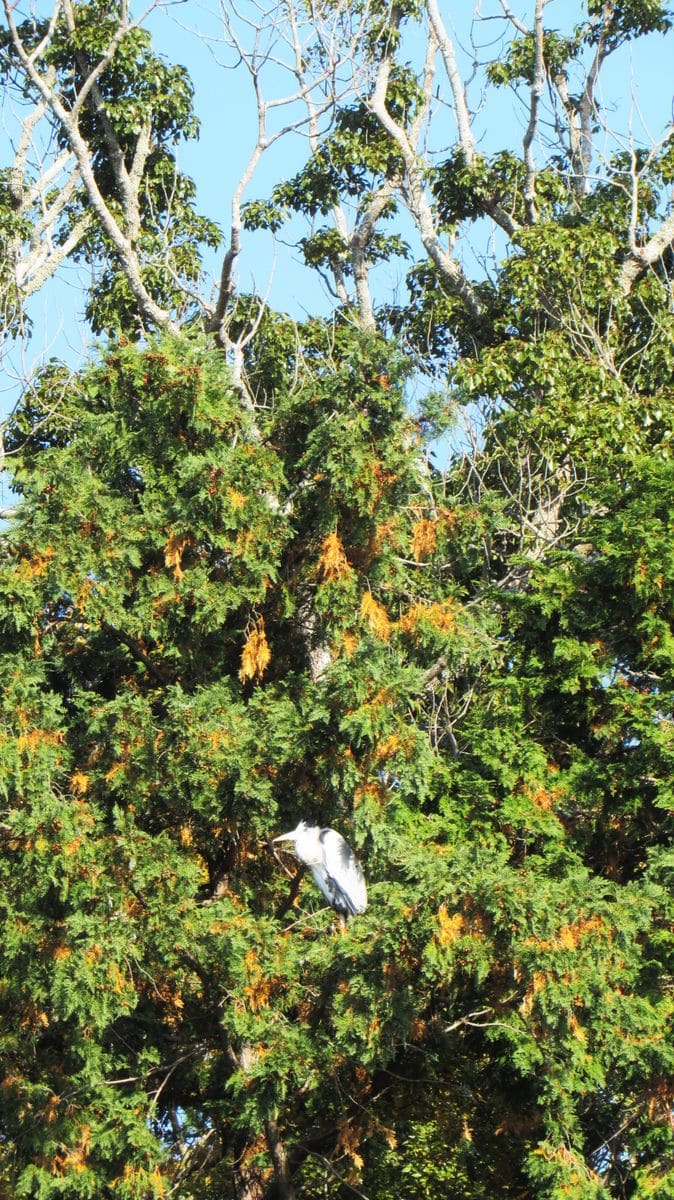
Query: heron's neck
[[308, 848]]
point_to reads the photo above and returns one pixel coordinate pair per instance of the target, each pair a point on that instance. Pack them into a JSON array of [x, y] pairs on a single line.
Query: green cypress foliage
[[212, 627]]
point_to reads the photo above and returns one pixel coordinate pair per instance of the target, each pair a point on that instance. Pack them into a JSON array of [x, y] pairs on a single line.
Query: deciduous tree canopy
[[239, 590]]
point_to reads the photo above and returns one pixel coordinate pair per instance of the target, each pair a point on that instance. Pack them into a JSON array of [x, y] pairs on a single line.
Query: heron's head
[[294, 834]]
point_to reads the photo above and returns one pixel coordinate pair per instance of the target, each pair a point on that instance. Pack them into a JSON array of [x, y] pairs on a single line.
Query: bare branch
[[417, 198], [338, 214], [580, 114], [37, 53], [530, 133], [443, 40], [127, 182], [18, 170], [318, 92], [38, 188], [644, 256], [360, 241], [519, 25], [35, 274], [34, 265], [587, 103]]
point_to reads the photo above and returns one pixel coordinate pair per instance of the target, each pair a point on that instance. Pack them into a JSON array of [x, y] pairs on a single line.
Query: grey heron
[[333, 865]]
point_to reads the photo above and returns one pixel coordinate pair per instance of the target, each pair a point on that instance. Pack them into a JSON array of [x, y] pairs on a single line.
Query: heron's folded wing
[[343, 872]]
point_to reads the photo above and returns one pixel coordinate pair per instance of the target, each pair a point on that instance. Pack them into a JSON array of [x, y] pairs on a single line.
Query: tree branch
[[579, 113], [159, 673], [418, 202], [35, 274], [530, 133], [446, 46], [360, 240], [279, 1159], [644, 256]]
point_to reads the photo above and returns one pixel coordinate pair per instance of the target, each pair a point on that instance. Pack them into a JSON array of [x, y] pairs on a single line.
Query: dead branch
[[317, 53], [534, 107], [446, 47], [416, 196], [646, 255], [580, 113]]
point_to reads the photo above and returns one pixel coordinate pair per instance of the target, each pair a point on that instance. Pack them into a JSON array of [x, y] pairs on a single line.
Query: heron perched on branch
[[333, 865]]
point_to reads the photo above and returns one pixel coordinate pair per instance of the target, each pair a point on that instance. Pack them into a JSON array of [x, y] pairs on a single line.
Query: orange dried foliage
[[379, 478], [386, 749], [388, 1135], [33, 1017], [256, 654], [85, 591], [245, 541], [348, 1143], [542, 798], [250, 1161], [137, 1181], [418, 1028], [33, 568], [660, 1101], [424, 539], [79, 783], [440, 615], [74, 1159], [217, 738], [173, 1004], [451, 928], [370, 791], [156, 1179], [237, 499], [569, 936], [332, 563], [382, 535], [375, 616], [30, 741], [349, 644], [579, 1171], [218, 927], [173, 553], [538, 982], [116, 977], [577, 1029], [258, 989]]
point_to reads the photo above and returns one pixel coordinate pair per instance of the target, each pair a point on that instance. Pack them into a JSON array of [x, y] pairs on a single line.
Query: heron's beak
[[284, 837]]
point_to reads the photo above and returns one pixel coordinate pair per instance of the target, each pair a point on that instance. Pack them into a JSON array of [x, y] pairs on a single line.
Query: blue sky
[[637, 94]]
